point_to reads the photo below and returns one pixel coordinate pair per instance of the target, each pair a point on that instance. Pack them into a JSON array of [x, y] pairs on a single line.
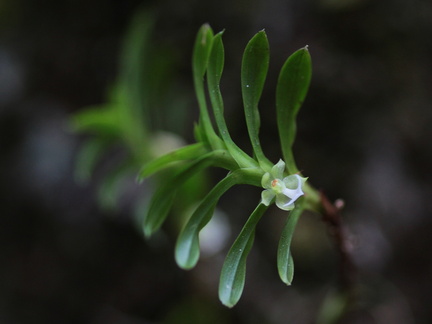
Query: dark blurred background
[[364, 136]]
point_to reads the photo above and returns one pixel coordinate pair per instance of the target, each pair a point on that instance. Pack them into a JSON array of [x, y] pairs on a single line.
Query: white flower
[[286, 190]]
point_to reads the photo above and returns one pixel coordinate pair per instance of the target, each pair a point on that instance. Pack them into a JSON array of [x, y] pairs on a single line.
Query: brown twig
[[331, 215]]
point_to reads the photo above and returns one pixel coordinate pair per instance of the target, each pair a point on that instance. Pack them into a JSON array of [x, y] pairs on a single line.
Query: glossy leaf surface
[[234, 268], [253, 75], [187, 248], [291, 90], [285, 263], [201, 53], [162, 200], [214, 73]]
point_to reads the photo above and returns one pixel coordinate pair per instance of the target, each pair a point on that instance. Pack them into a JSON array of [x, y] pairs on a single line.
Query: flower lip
[[294, 194]]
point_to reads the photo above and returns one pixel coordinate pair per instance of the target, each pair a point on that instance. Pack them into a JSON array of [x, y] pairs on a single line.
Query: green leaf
[[202, 48], [136, 84], [291, 90], [87, 158], [201, 53], [285, 262], [100, 120], [253, 74], [188, 152], [159, 207], [111, 185], [163, 198], [214, 73], [135, 62], [187, 248], [233, 273]]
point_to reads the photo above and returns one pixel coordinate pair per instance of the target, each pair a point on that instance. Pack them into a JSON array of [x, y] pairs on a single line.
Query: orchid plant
[[282, 182]]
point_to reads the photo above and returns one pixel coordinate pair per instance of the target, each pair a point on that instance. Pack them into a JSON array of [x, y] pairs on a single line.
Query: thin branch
[[332, 217]]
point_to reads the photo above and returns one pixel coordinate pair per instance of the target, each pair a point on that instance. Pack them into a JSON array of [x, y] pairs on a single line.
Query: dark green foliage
[[217, 149]]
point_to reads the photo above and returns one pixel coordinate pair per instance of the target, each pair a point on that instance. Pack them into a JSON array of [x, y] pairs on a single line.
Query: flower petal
[[266, 180], [278, 170], [293, 195], [294, 181], [267, 196], [293, 189], [284, 202]]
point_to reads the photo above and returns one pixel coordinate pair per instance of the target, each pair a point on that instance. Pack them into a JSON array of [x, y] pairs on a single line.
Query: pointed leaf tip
[[205, 27], [291, 90], [253, 75], [260, 34]]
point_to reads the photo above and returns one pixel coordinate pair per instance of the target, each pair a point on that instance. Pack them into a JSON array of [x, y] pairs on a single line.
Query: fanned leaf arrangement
[[282, 183], [122, 122], [128, 124]]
